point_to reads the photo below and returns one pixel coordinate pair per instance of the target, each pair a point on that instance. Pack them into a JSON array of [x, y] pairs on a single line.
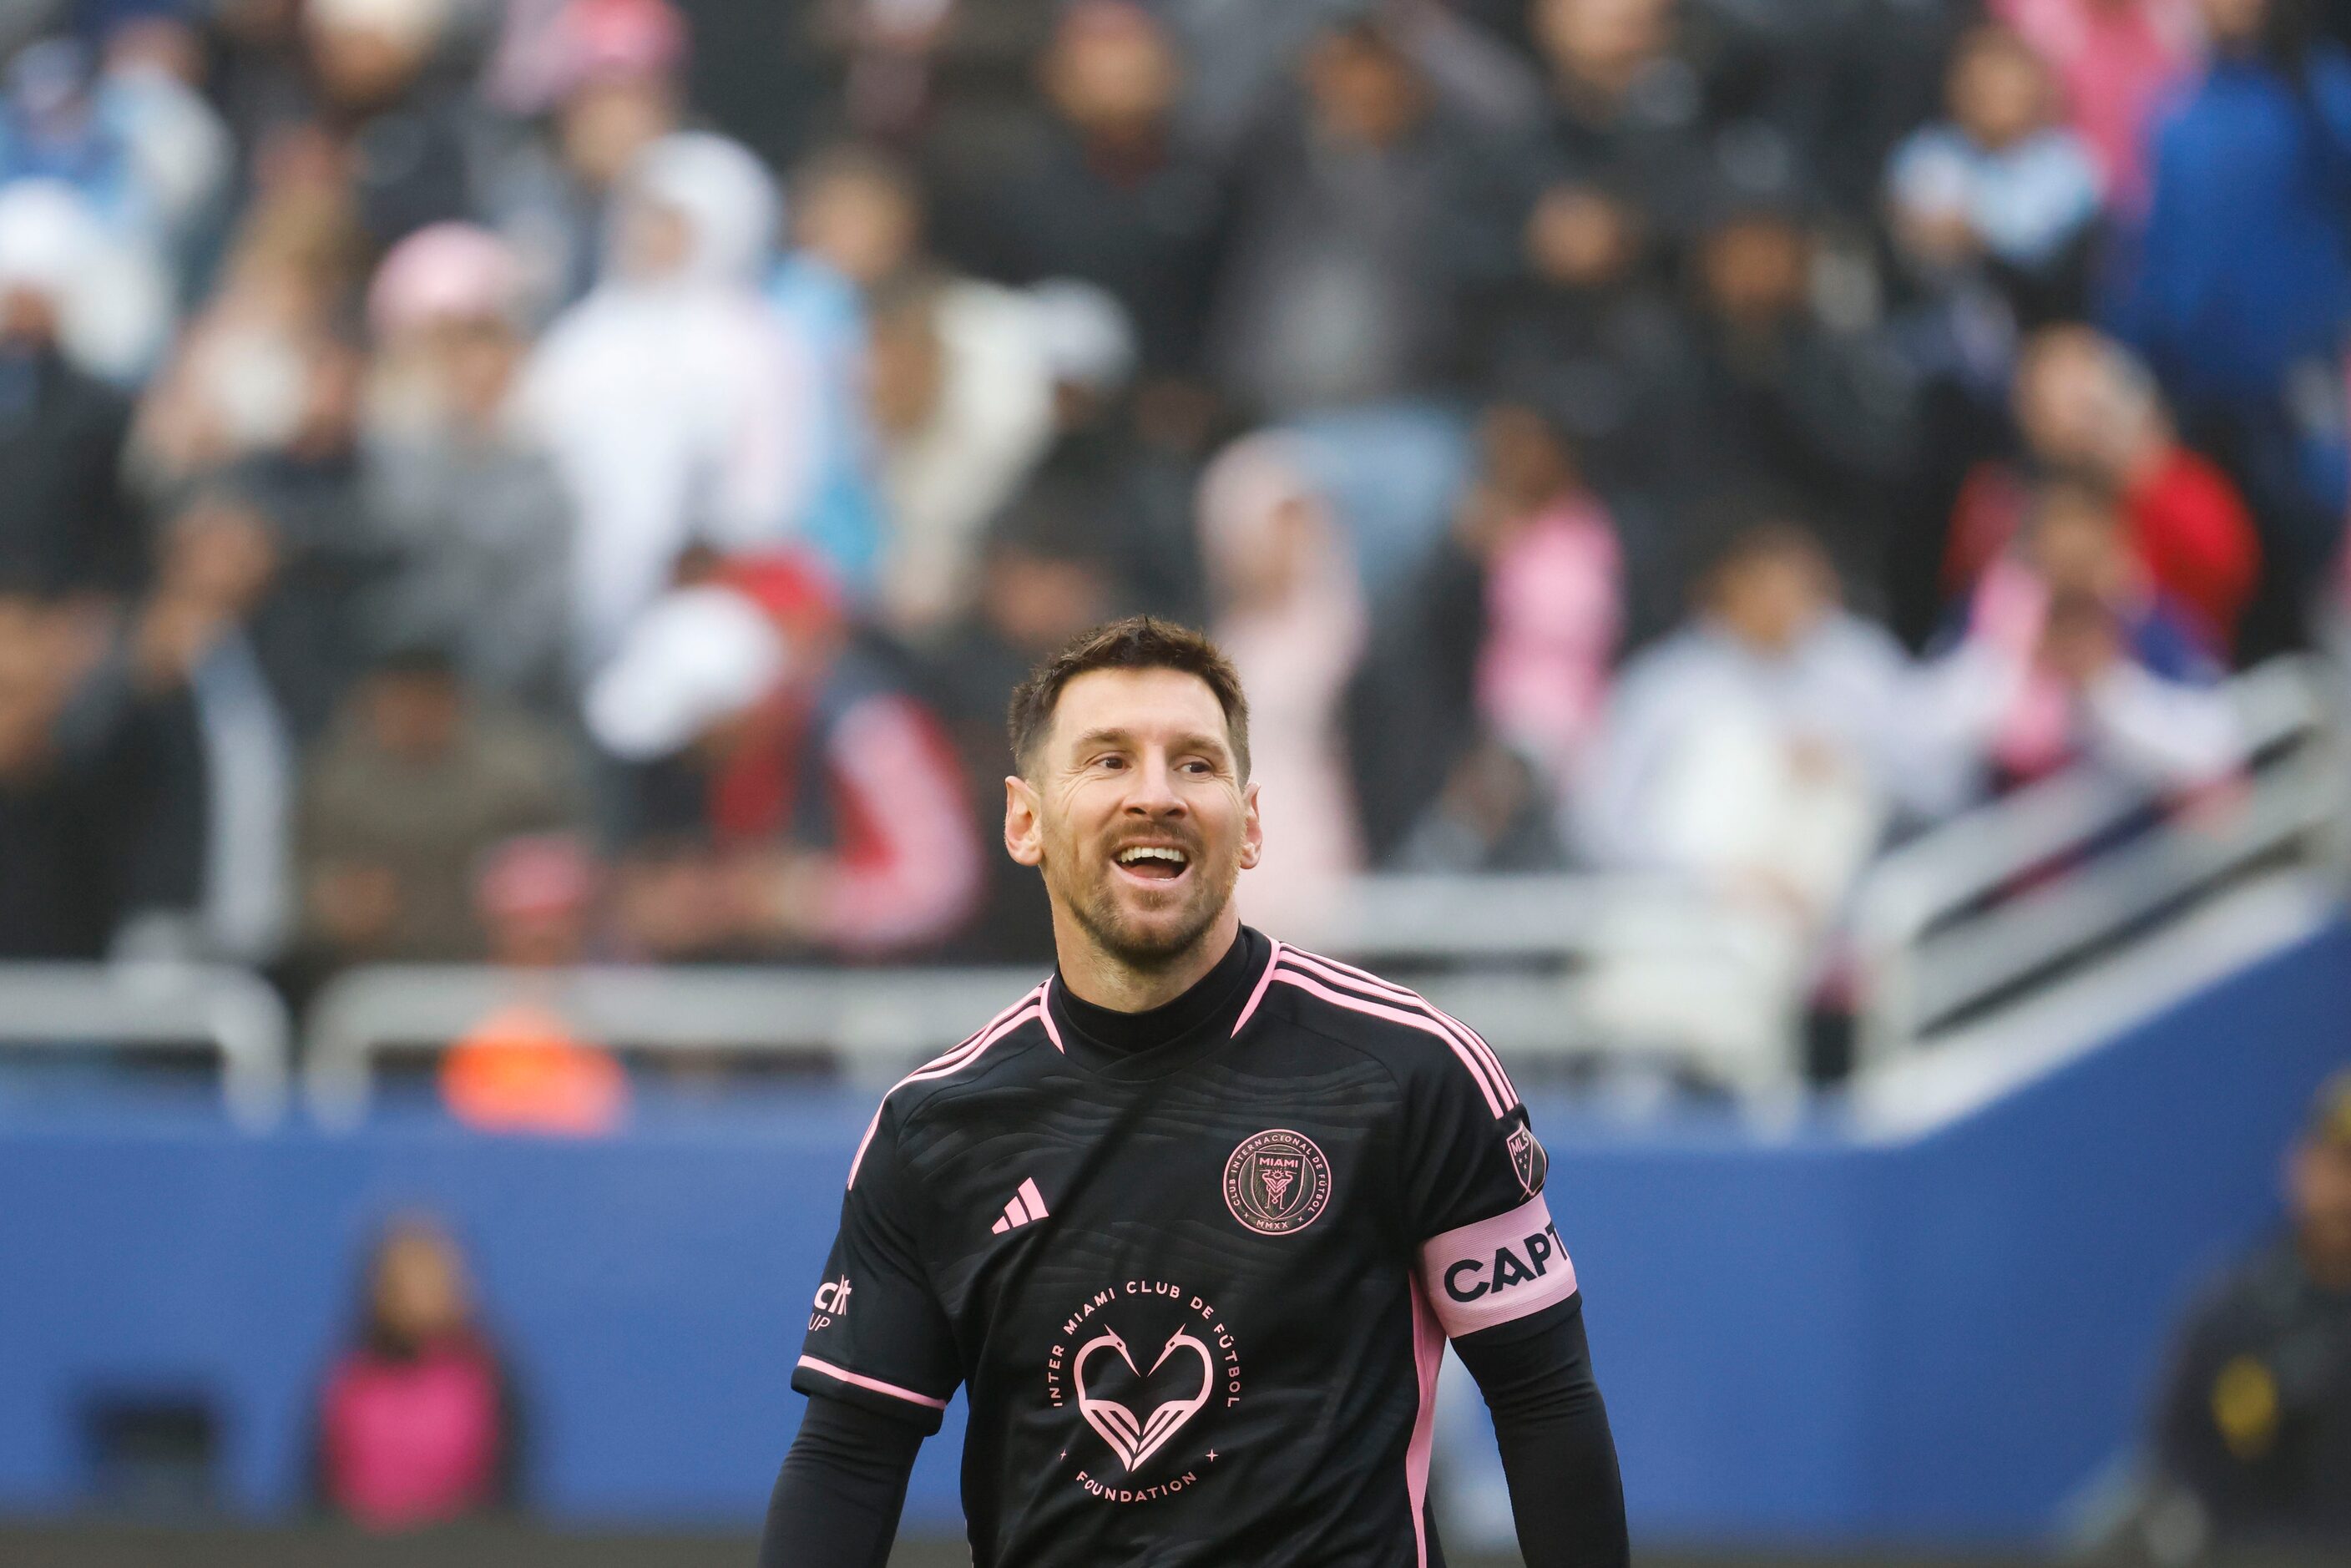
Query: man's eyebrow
[[1195, 741]]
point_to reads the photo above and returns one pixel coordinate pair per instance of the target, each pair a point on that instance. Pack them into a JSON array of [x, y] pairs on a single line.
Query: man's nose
[[1154, 793]]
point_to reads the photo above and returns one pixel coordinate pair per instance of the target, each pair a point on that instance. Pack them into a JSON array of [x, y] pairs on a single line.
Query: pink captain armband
[[1496, 1271]]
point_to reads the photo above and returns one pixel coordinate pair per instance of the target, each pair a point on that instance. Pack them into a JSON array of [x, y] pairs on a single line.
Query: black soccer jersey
[[1195, 1268]]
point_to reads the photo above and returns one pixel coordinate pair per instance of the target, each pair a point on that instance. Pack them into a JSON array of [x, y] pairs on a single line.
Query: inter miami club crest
[[1277, 1182], [1527, 1157]]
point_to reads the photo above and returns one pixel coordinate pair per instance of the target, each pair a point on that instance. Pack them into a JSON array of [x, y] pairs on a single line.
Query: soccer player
[[1192, 1220]]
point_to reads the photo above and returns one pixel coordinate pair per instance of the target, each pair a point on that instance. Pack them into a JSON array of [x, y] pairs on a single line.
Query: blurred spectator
[[2243, 283], [2071, 654], [1551, 592], [261, 355], [1756, 754], [2115, 60], [1779, 397], [2254, 1423], [417, 782], [111, 300], [607, 74], [535, 895], [678, 406], [2086, 407], [261, 400], [470, 507], [1584, 328], [132, 136], [1760, 747], [1137, 450], [1338, 285], [794, 796], [407, 136], [1045, 575], [1628, 112], [418, 1423], [962, 402], [183, 719], [1105, 190], [1999, 187], [1485, 687], [857, 220], [64, 522], [149, 89], [1285, 608], [60, 892], [522, 1067]]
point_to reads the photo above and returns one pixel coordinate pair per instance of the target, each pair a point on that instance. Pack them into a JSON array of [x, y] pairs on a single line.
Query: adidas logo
[[1027, 1205]]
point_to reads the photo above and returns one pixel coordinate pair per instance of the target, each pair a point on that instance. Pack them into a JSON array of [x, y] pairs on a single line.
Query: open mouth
[[1153, 862]]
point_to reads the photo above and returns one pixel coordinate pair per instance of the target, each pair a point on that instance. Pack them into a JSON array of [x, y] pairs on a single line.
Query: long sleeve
[[837, 1498], [1552, 1426]]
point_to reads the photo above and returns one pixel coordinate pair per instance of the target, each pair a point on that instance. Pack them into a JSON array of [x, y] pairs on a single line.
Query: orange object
[[520, 1070]]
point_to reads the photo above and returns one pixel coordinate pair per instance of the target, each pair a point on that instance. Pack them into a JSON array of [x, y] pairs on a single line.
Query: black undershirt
[[837, 1499]]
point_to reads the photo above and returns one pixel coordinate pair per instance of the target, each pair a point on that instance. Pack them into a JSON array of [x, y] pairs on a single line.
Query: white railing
[[1975, 912], [875, 1022], [141, 1004]]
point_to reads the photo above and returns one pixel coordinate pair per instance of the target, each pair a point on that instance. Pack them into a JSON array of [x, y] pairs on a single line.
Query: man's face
[[1136, 761], [2320, 1187]]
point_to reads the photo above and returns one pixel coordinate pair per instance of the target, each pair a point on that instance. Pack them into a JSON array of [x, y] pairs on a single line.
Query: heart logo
[[1131, 1439]]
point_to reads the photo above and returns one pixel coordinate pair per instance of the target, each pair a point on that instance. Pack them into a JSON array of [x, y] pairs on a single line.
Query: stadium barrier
[[873, 1023], [126, 1005], [1978, 910]]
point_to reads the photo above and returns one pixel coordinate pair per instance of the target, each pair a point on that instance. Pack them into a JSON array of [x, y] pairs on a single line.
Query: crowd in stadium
[[458, 499]]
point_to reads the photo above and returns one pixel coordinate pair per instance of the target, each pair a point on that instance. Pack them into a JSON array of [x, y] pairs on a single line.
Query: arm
[[837, 1498], [878, 1345], [2168, 733], [1553, 1429], [1503, 1290]]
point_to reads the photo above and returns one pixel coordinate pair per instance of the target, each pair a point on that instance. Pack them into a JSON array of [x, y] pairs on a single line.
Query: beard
[[1140, 942]]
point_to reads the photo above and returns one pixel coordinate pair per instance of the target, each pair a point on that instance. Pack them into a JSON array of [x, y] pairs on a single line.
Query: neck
[[1108, 982]]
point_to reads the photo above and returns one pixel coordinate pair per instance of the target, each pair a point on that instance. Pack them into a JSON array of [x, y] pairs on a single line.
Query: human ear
[[1024, 831], [1252, 829]]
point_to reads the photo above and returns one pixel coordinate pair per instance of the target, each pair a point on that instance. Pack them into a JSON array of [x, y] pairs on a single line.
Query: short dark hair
[[1137, 642]]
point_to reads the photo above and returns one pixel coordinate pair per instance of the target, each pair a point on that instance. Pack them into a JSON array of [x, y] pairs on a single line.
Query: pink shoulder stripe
[[962, 1056], [1352, 979], [1264, 980], [1045, 1015], [1397, 1014], [856, 1380], [1379, 986]]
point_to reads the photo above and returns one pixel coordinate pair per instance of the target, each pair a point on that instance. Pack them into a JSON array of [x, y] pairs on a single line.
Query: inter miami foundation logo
[[1147, 1362], [1277, 1182]]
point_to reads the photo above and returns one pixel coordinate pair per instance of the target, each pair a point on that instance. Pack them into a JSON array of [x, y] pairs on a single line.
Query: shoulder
[[1426, 1051], [984, 1051], [2250, 1299]]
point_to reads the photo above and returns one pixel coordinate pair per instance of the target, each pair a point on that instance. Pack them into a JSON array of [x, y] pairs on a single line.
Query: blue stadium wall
[[1806, 1340]]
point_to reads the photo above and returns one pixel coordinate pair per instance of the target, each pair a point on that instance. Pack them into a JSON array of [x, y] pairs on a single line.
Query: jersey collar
[[1143, 1043]]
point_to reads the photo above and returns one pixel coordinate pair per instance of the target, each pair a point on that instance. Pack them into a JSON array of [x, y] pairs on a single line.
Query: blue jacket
[[2245, 269]]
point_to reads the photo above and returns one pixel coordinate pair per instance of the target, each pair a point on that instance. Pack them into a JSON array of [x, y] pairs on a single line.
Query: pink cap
[[446, 271], [599, 40], [536, 874]]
